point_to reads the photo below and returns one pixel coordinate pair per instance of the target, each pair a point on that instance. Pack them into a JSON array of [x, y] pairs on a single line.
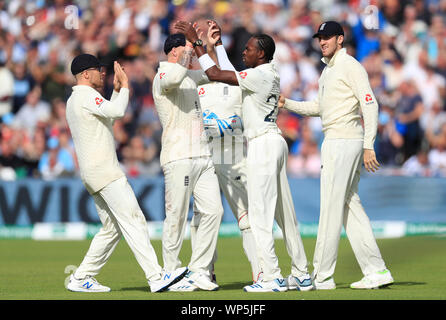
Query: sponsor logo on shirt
[[201, 92], [162, 74], [98, 101], [243, 74], [368, 98]]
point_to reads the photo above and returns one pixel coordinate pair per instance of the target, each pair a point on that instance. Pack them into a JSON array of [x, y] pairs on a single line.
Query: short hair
[[173, 41], [266, 43]]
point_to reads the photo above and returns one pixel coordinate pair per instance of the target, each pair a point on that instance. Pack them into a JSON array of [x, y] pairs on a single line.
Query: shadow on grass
[[145, 289], [226, 286]]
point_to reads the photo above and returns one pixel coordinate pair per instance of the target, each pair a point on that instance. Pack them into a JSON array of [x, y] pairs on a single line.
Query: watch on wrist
[[197, 42], [219, 42]]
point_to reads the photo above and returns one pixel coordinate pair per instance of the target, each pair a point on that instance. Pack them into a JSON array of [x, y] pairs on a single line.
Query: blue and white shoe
[[182, 286], [89, 284], [302, 283], [276, 285], [167, 279]]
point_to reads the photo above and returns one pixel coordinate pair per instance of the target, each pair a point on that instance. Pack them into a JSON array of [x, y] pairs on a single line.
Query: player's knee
[[243, 222]]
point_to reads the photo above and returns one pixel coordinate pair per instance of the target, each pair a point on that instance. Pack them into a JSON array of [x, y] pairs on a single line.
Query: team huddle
[[220, 135]]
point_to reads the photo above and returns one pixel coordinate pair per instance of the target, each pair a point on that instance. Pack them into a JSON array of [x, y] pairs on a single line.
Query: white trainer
[[182, 286], [374, 281], [327, 284], [201, 281], [276, 285], [167, 279], [302, 283], [89, 284]]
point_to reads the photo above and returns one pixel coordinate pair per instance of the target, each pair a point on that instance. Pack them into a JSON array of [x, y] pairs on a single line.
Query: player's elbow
[[213, 74]]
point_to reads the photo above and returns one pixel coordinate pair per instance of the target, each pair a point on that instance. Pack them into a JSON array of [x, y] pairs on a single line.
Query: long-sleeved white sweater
[[178, 106], [344, 93], [90, 118]]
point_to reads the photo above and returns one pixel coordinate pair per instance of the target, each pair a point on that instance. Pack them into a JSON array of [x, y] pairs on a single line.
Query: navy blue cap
[[83, 62], [329, 29], [173, 41]]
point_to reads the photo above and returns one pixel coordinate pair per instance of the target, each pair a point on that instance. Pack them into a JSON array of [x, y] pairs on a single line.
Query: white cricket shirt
[[90, 118], [260, 93], [178, 106], [344, 92]]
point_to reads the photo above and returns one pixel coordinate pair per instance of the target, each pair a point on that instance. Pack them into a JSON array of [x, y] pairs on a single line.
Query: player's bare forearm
[[186, 57], [225, 76]]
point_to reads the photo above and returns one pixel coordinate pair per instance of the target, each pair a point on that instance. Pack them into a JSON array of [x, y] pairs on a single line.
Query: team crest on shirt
[[98, 101], [243, 74]]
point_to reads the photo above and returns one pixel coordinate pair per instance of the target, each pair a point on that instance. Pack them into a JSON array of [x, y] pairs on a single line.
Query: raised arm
[[115, 108], [208, 65]]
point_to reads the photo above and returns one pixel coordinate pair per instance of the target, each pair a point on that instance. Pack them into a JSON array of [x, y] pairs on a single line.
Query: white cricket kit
[[187, 166], [344, 93], [222, 102], [269, 195], [90, 118]]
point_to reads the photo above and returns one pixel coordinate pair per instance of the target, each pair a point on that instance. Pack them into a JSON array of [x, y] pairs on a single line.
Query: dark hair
[[266, 43], [173, 41]]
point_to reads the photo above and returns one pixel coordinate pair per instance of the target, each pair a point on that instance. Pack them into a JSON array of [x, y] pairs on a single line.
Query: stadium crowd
[[402, 45]]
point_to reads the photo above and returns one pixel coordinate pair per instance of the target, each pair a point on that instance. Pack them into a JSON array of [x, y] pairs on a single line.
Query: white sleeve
[[249, 79], [98, 105], [223, 59]]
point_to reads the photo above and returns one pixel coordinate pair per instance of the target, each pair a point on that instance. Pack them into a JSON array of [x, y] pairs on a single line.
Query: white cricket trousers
[[269, 198], [120, 214], [340, 205], [232, 181], [185, 178]]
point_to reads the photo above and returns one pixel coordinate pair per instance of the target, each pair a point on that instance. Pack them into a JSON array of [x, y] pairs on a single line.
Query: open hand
[[188, 29], [370, 162], [120, 79]]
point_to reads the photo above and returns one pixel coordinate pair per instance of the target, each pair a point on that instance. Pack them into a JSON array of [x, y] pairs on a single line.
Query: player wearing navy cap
[[90, 117], [344, 94]]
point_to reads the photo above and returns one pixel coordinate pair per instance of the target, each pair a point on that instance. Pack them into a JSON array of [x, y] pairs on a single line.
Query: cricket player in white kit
[[344, 93], [187, 164], [269, 196], [90, 118], [221, 104]]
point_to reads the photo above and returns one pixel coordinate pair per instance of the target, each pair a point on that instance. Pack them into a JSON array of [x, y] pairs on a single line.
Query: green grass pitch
[[35, 270]]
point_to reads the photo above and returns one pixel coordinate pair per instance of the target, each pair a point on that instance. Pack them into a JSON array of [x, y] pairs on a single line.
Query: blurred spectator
[[56, 162], [35, 110], [304, 159], [417, 165], [6, 88], [408, 112], [389, 140], [23, 83]]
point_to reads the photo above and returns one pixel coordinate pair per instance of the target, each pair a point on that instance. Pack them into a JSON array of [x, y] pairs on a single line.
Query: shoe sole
[[175, 280], [380, 286], [307, 288], [87, 290], [269, 290]]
